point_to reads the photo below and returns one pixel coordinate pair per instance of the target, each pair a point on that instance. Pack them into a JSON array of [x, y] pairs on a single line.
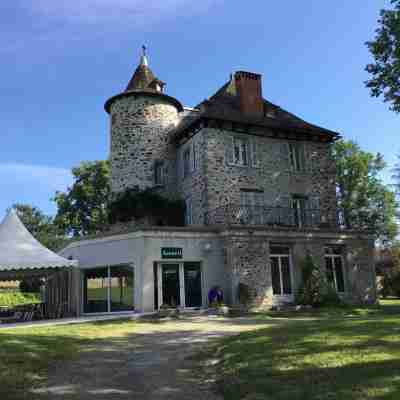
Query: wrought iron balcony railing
[[232, 214]]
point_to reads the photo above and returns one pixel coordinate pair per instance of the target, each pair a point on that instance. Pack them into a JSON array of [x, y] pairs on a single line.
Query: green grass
[[338, 354], [11, 298], [27, 353]]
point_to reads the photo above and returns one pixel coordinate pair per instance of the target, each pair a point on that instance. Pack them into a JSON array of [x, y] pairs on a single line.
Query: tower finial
[[143, 59]]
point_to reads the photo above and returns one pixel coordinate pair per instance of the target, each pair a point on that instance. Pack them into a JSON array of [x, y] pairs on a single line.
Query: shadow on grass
[[60, 362], [351, 359]]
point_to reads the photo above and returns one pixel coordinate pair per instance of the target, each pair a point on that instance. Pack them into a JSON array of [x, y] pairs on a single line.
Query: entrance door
[[179, 285], [170, 285], [192, 285]]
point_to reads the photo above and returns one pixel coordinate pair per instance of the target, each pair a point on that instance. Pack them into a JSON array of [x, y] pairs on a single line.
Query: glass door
[[171, 296], [179, 285], [281, 273], [193, 297], [95, 289]]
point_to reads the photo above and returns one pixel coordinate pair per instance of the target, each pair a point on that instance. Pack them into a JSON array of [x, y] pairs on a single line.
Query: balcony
[[232, 214]]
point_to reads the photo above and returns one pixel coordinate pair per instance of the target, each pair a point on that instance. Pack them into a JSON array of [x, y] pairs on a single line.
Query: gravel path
[[153, 363]]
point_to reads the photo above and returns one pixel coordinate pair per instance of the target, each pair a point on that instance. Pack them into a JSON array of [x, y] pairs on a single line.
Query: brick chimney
[[249, 91]]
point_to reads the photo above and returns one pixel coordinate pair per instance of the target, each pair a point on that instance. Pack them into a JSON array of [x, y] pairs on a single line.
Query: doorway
[[179, 285]]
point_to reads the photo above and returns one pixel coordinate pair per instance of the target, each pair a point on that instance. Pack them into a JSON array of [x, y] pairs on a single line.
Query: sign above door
[[171, 252]]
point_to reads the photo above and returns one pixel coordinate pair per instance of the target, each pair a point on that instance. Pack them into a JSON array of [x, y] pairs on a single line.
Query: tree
[[41, 226], [365, 201], [385, 48], [82, 210], [396, 176]]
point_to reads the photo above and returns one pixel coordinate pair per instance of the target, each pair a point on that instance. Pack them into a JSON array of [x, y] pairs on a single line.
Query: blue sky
[[60, 61]]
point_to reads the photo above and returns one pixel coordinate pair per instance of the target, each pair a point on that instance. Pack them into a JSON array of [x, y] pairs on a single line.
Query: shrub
[[315, 290], [135, 204]]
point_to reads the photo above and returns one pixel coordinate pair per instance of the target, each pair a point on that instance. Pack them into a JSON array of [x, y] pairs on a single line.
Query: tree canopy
[[367, 203], [385, 48], [41, 226], [82, 209]]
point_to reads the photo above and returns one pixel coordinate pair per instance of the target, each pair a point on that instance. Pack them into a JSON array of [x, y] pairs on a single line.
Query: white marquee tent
[[22, 256]]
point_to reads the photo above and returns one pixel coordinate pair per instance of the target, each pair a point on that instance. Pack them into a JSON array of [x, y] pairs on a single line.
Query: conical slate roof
[[143, 78], [19, 250]]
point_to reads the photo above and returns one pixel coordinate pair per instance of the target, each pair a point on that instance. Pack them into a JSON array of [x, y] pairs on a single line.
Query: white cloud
[[140, 12]]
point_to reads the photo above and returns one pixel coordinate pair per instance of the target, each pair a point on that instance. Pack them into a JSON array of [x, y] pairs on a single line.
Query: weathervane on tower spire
[[143, 59]]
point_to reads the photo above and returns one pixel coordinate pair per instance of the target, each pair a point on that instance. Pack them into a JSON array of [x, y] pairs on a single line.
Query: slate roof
[[143, 79], [225, 105], [19, 250]]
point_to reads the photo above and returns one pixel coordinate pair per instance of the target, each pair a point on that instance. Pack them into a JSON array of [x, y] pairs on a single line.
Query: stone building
[[259, 189]]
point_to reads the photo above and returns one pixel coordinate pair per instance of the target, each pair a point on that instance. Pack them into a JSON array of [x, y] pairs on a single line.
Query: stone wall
[[271, 175], [139, 137], [247, 258], [194, 185]]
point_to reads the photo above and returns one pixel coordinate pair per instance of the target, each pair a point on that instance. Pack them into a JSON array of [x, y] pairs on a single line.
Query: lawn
[[329, 354], [26, 353]]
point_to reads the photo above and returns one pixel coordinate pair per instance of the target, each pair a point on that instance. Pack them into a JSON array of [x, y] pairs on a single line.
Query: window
[[188, 211], [240, 151], [296, 156], [186, 163], [281, 271], [108, 289], [334, 268], [159, 177]]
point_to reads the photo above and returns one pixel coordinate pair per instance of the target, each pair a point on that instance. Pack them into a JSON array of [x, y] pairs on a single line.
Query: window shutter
[[284, 154], [193, 156], [303, 158], [229, 150], [255, 162], [311, 158]]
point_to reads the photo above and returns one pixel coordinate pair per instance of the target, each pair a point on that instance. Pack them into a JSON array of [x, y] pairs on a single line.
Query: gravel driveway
[[152, 363]]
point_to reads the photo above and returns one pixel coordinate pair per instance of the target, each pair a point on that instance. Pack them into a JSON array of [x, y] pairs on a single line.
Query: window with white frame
[[334, 267], [240, 151], [296, 156], [281, 271], [188, 211]]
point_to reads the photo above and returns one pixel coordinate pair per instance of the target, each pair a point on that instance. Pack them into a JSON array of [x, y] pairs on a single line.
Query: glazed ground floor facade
[[156, 268]]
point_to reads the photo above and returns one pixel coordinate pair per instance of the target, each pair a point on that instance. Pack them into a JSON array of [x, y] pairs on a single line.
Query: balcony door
[[281, 273]]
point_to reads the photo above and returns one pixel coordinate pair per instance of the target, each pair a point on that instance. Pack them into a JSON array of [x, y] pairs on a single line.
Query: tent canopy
[[20, 251]]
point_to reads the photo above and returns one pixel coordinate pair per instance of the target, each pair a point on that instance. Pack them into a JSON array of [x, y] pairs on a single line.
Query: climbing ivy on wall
[[134, 204]]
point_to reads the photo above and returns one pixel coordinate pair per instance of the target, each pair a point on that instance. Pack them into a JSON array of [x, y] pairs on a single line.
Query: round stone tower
[[141, 118]]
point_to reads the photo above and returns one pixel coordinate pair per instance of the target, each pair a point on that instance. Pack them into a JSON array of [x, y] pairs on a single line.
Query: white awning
[[19, 250]]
